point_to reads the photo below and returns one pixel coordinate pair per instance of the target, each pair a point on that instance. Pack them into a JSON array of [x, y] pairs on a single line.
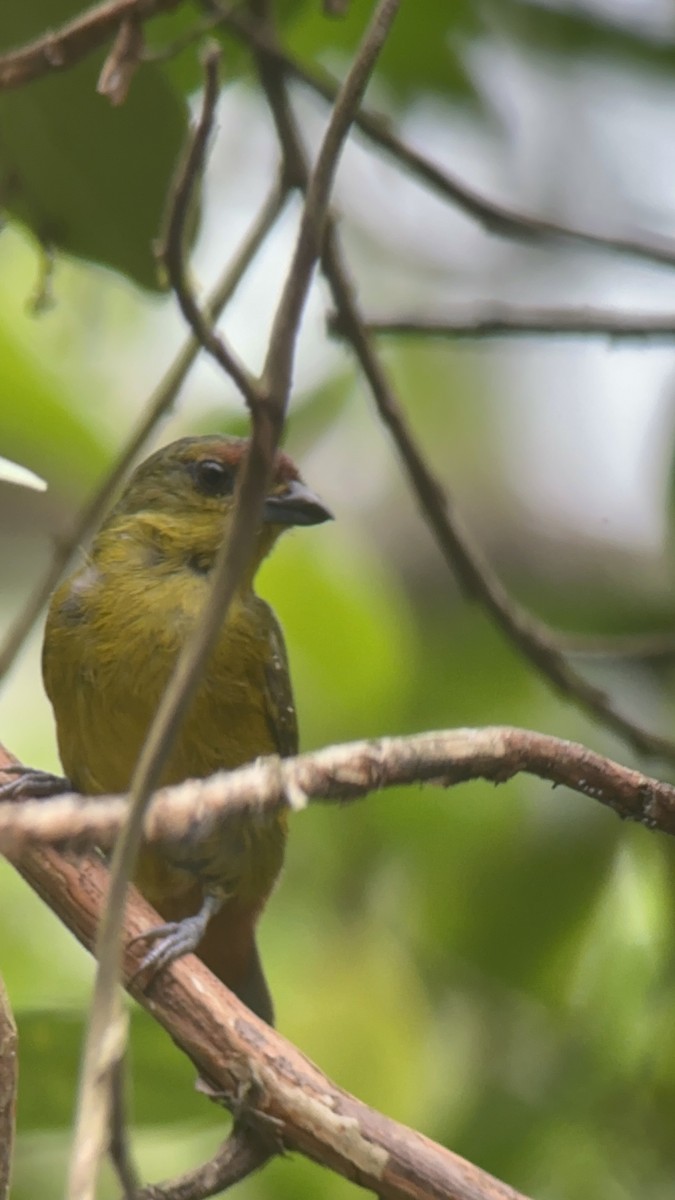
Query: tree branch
[[337, 774], [495, 218], [59, 49], [278, 364], [532, 637], [502, 320], [242, 1153], [171, 248], [252, 1069]]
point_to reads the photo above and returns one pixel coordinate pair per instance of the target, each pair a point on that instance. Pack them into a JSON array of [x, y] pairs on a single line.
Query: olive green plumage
[[113, 633]]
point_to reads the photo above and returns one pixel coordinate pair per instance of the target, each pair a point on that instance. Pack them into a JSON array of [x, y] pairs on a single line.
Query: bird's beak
[[295, 504]]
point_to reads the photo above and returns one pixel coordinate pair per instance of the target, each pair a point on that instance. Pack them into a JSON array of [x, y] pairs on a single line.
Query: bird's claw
[[32, 784], [174, 940], [162, 953]]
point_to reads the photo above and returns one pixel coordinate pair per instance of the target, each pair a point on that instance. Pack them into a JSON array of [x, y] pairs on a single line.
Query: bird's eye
[[213, 478]]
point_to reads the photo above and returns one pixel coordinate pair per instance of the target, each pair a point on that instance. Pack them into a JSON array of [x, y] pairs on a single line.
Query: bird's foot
[[32, 784], [174, 939]]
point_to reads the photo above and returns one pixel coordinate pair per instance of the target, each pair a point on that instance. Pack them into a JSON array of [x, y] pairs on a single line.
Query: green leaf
[[69, 450], [85, 177]]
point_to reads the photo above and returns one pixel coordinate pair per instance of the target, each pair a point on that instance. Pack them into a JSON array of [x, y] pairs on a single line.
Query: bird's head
[[186, 491]]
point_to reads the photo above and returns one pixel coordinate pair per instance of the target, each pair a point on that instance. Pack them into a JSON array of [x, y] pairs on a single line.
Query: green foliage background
[[492, 966]]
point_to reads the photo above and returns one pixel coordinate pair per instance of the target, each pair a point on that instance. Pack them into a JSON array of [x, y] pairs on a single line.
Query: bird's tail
[[229, 949]]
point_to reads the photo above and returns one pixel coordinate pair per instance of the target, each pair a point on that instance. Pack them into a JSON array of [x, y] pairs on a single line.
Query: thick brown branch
[[254, 1069], [341, 773]]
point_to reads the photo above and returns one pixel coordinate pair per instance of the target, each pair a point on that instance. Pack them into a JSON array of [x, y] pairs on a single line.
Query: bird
[[113, 632]]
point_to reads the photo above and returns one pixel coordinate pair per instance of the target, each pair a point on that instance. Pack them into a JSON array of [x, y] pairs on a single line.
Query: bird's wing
[[280, 709]]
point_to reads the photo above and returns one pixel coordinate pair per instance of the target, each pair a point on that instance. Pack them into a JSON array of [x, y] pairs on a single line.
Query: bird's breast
[[110, 649]]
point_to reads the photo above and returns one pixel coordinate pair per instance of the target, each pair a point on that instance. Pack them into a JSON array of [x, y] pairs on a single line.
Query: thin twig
[[295, 171], [619, 646], [531, 637], [122, 62], [278, 363], [495, 218], [105, 1033], [119, 1148], [9, 1076], [240, 1155], [171, 248], [500, 320], [158, 405]]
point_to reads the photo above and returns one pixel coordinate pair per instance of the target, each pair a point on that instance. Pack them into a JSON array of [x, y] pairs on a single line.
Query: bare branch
[[122, 62], [495, 218], [242, 1153], [171, 249], [501, 320], [341, 773], [63, 48], [158, 405], [250, 1067], [532, 637], [278, 364], [9, 1077], [659, 644], [119, 1147]]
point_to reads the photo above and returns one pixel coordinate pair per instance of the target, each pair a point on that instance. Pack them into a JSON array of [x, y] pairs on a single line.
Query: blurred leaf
[[421, 54], [85, 177], [68, 449]]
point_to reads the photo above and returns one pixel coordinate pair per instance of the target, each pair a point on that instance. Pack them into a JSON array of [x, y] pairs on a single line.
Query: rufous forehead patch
[[232, 452]]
